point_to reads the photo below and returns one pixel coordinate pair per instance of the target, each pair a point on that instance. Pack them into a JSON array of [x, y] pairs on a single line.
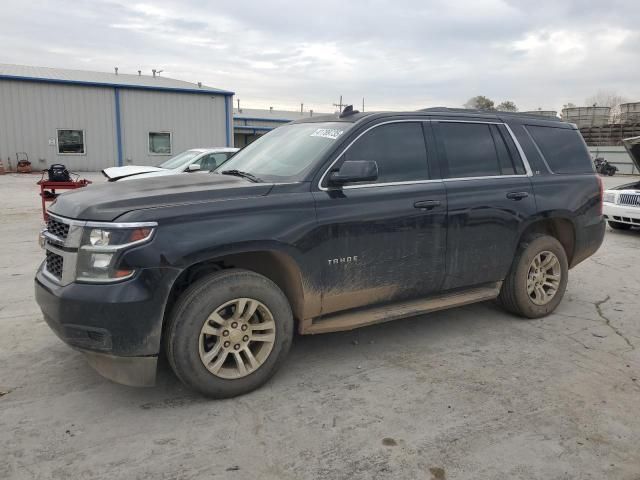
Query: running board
[[385, 313]]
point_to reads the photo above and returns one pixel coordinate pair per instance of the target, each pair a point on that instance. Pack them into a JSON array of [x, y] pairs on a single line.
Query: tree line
[[602, 98]]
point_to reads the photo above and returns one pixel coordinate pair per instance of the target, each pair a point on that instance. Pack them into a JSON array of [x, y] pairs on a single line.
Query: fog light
[[101, 260]]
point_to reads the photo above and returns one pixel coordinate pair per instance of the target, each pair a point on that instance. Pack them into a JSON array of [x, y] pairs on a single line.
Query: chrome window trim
[[544, 160], [525, 160], [368, 185]]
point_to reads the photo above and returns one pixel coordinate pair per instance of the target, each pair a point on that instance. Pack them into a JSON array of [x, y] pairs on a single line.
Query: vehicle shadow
[[322, 361]]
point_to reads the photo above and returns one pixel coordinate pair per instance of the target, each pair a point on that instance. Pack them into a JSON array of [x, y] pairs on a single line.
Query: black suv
[[324, 224]]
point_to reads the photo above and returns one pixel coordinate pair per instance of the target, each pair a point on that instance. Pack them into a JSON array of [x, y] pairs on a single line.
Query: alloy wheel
[[237, 338], [543, 277]]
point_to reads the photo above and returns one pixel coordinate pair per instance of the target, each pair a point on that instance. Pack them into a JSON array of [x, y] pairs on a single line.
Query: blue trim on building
[[116, 96], [117, 85], [251, 127], [228, 120], [280, 120]]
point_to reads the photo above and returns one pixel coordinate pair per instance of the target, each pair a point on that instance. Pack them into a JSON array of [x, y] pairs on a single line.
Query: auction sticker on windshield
[[331, 133]]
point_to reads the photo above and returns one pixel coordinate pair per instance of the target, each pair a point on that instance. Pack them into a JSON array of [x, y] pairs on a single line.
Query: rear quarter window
[[562, 149]]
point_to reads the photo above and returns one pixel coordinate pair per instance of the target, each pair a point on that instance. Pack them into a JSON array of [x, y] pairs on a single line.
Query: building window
[[160, 143], [71, 142]]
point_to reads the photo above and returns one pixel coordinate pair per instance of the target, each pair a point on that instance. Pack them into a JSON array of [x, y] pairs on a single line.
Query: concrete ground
[[470, 393]]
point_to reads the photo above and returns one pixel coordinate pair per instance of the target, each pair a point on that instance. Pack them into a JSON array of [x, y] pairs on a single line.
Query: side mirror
[[194, 167], [353, 171]]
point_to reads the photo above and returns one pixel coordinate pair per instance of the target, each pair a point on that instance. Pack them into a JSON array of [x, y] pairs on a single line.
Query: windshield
[[180, 160], [287, 153]]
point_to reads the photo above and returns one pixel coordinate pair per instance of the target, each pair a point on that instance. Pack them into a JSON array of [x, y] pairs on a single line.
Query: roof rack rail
[[486, 112]]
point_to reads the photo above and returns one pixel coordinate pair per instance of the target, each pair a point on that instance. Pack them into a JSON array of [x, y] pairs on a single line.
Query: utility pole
[[238, 100], [363, 104], [339, 105]]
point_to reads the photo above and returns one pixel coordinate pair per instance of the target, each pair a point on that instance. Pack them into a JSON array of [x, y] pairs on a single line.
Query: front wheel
[[538, 277], [228, 333]]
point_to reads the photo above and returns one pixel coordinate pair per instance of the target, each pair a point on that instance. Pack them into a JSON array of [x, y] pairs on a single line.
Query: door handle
[[517, 195], [427, 204]]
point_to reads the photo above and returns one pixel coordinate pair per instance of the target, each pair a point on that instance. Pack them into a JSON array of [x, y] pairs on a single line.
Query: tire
[[201, 309], [514, 295], [619, 225]]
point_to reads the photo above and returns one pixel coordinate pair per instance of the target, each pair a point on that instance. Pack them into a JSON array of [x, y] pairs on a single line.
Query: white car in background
[[188, 161], [622, 203]]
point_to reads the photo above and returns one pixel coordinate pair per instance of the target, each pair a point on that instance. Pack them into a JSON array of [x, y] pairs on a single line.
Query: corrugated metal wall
[[193, 120], [30, 114]]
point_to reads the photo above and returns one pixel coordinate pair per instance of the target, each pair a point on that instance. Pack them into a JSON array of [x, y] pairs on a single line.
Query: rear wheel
[[538, 277], [619, 225], [228, 333]]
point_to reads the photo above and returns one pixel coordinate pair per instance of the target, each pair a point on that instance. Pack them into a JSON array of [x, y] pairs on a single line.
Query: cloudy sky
[[398, 54]]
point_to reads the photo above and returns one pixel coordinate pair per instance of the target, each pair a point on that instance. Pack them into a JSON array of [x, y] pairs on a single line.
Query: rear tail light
[[601, 199]]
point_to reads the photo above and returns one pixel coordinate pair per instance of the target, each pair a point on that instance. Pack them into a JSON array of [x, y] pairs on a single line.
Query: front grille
[[632, 199], [59, 229], [54, 264]]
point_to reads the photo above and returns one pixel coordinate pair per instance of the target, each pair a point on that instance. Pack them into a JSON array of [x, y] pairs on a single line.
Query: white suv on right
[[622, 203]]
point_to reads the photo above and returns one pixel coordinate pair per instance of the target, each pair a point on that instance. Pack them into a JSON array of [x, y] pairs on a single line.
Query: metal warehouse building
[[92, 120]]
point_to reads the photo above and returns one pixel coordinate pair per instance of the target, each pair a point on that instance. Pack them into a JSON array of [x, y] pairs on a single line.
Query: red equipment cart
[[48, 190]]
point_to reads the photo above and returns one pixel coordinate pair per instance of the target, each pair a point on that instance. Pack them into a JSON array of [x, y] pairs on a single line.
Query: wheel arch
[[561, 228], [278, 266]]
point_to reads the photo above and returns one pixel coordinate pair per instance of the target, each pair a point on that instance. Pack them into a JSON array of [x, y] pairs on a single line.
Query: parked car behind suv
[[325, 224], [622, 203], [188, 161]]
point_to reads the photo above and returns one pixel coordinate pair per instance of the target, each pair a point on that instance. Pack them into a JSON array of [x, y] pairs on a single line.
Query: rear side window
[[562, 148], [398, 148], [469, 149]]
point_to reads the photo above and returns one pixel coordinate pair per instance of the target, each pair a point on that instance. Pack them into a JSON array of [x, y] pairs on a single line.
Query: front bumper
[[621, 213], [117, 326]]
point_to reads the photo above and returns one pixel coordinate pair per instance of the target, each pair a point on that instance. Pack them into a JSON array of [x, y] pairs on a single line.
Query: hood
[[105, 202], [116, 173], [633, 147]]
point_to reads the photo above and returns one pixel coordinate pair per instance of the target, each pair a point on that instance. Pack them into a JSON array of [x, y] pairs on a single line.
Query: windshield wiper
[[238, 173]]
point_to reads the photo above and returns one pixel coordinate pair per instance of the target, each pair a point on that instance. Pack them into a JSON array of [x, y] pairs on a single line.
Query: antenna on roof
[[348, 111]]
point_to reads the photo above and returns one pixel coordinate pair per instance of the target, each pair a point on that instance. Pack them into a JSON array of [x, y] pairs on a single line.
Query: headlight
[[98, 256], [99, 237], [609, 197]]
